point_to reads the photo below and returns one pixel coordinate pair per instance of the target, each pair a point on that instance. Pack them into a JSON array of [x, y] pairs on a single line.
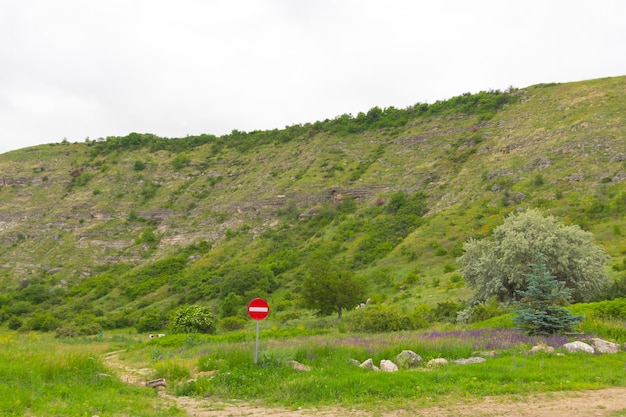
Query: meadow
[[46, 376]]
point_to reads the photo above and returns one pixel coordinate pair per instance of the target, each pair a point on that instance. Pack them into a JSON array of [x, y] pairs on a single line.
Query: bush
[[151, 321], [379, 318], [14, 323], [193, 319], [230, 324]]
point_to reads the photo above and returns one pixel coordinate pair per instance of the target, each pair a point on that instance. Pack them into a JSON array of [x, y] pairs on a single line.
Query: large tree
[[499, 266], [329, 288]]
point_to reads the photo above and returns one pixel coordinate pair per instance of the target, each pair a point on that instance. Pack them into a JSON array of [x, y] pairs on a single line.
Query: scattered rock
[[408, 359], [437, 362], [297, 366], [576, 178], [578, 347], [619, 157], [542, 347], [369, 365], [467, 361], [388, 366], [603, 346], [487, 353], [354, 362]]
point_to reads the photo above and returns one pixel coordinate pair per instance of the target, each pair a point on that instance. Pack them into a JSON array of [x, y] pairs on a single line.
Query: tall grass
[[39, 379], [227, 369]]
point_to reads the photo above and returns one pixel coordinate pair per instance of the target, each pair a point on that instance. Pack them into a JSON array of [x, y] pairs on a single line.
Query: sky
[[78, 69]]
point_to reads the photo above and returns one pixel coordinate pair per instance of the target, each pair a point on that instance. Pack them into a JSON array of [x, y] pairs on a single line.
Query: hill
[[117, 229]]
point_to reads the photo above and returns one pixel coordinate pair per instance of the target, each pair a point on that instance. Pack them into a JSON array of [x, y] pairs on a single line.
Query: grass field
[[44, 376]]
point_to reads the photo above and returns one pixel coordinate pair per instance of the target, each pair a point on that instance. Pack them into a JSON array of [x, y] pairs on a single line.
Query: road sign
[[258, 309]]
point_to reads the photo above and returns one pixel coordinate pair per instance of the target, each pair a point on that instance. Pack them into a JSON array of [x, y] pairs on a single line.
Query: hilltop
[[115, 229]]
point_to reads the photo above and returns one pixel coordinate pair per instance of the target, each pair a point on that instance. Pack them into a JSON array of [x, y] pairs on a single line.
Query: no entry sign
[[258, 309]]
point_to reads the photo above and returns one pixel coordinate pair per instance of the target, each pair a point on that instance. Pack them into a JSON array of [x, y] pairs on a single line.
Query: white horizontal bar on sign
[[258, 309]]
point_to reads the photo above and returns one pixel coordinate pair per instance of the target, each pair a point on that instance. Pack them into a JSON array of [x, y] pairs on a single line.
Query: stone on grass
[[437, 362], [369, 365], [388, 366], [408, 359], [467, 361], [578, 346], [603, 346], [354, 362], [542, 347], [298, 367]]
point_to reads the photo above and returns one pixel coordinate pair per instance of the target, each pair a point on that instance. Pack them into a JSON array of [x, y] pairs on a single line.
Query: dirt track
[[571, 404]]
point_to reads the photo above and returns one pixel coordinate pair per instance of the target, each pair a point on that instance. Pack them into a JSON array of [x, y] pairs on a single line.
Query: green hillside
[[109, 232]]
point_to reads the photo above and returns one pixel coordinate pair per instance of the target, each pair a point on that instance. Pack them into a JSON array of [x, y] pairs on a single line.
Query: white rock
[[388, 366], [578, 347], [434, 363], [603, 346]]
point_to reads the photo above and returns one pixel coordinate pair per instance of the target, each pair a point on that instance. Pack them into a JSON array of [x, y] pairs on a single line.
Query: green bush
[[151, 321], [230, 324], [379, 318], [193, 319], [14, 323]]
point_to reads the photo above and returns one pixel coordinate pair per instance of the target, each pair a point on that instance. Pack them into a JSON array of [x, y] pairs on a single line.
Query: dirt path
[[602, 402]]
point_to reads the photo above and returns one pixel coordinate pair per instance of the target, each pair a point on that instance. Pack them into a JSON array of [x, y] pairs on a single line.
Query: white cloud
[[72, 69]]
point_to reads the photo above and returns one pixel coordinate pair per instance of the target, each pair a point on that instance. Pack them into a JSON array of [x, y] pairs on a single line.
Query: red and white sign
[[258, 309]]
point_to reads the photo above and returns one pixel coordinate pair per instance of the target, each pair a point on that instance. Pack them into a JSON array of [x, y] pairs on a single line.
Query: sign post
[[258, 309]]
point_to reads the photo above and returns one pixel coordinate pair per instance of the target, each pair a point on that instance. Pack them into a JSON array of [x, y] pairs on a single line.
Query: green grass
[[46, 378], [334, 381]]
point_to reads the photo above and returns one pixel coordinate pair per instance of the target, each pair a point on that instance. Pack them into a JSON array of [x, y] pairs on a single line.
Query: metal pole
[[256, 352]]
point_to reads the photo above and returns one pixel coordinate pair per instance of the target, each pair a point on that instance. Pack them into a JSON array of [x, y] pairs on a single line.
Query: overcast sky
[[72, 69]]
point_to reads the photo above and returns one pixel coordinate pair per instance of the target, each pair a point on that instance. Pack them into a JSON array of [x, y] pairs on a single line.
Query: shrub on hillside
[[193, 319]]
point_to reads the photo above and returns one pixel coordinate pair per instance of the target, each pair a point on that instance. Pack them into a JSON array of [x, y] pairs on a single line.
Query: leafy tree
[[193, 319], [247, 277], [540, 310], [231, 305], [329, 288], [499, 267]]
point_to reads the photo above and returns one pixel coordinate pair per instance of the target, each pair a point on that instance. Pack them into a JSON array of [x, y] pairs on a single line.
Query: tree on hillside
[[540, 310], [498, 267], [329, 289]]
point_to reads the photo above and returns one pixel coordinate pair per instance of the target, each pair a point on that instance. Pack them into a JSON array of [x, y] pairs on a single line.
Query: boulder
[[388, 366], [467, 361], [408, 359], [542, 347], [369, 365], [603, 346], [298, 367], [578, 347], [437, 362]]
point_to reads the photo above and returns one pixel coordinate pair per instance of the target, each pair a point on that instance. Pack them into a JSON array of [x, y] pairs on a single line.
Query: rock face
[[603, 346], [388, 366], [578, 347], [408, 359]]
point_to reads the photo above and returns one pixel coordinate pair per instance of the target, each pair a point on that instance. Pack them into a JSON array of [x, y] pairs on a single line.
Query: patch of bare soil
[[601, 402]]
